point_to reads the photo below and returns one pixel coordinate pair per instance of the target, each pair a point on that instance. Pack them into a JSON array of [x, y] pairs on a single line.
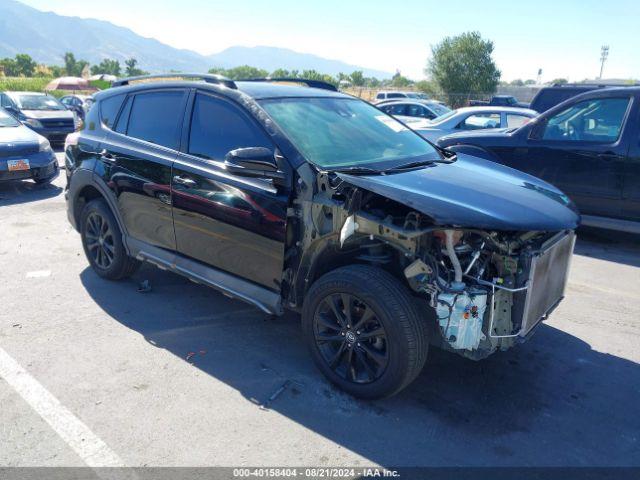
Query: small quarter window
[[109, 109]]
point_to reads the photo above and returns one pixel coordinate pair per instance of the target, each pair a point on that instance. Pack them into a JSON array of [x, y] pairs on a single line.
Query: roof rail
[[207, 77], [307, 82], [596, 85]]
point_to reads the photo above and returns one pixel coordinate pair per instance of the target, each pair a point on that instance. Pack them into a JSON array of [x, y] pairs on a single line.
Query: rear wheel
[[364, 331], [102, 242]]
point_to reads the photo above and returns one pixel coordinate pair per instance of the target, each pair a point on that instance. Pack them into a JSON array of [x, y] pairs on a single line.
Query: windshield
[[7, 120], [438, 108], [38, 102], [336, 133]]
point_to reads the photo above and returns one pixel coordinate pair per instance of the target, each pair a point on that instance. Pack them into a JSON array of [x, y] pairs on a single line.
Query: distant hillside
[[270, 58], [47, 36]]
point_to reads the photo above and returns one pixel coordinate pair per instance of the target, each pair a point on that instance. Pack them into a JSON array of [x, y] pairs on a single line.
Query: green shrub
[[32, 84]]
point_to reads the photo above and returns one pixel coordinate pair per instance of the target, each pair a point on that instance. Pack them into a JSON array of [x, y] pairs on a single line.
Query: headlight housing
[[32, 122], [44, 145]]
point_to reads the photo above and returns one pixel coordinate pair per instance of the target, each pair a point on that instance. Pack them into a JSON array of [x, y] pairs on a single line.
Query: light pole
[[604, 53]]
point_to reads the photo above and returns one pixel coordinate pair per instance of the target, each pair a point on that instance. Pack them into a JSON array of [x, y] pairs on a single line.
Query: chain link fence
[[454, 100]]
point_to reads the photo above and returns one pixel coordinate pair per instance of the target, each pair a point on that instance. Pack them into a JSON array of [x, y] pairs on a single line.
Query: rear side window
[[217, 127], [480, 121], [156, 116], [380, 96], [396, 95], [109, 109]]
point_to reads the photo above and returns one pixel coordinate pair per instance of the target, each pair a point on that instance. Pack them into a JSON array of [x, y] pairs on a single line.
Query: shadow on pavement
[[23, 191], [552, 401], [619, 247]]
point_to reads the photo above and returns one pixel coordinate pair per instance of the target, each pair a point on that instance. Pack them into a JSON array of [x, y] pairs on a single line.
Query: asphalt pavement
[[97, 373]]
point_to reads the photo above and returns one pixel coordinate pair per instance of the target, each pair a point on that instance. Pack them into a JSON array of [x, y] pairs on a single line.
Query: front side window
[[4, 101], [400, 109], [418, 111], [156, 116], [480, 121], [338, 133], [396, 95], [217, 127], [516, 121], [7, 120], [595, 120]]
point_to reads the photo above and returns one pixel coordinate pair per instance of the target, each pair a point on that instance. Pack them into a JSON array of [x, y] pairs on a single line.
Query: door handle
[[107, 157], [187, 182]]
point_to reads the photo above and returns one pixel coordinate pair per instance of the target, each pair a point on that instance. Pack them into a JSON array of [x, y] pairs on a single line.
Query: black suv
[[302, 198]]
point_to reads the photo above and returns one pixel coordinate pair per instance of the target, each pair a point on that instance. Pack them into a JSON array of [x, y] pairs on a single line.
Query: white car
[[411, 110], [398, 95], [472, 118]]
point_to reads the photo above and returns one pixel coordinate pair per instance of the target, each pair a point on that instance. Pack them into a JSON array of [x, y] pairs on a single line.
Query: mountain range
[[46, 36]]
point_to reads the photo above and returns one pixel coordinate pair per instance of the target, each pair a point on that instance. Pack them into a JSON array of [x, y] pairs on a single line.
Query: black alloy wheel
[[350, 338], [100, 242]]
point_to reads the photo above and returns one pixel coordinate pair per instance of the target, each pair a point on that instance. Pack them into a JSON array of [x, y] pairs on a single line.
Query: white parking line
[[93, 451]]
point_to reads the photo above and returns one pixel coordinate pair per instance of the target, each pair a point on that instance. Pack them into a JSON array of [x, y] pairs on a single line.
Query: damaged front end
[[481, 289]]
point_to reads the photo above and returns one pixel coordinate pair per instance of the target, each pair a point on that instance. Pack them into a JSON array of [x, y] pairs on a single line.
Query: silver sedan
[[472, 118]]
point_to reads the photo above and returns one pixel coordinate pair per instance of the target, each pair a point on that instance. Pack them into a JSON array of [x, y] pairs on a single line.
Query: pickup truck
[[586, 146], [499, 101]]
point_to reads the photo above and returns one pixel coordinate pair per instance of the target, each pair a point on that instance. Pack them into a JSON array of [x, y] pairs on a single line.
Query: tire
[[102, 242], [393, 341]]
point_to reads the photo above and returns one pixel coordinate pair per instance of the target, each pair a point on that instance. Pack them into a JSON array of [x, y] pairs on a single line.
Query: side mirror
[[257, 162]]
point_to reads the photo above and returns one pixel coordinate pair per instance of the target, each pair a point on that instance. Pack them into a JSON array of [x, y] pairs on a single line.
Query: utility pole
[[604, 53]]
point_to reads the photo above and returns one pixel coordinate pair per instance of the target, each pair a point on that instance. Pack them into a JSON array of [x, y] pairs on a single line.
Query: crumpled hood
[[19, 134], [38, 114], [472, 192]]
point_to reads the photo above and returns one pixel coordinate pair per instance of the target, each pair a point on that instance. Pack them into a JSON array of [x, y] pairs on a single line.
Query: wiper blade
[[358, 171], [421, 163]]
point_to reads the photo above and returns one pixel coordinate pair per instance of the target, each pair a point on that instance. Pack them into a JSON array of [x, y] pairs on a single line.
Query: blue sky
[[563, 37]]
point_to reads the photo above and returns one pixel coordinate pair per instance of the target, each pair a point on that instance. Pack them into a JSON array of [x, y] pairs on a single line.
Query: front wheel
[[364, 331]]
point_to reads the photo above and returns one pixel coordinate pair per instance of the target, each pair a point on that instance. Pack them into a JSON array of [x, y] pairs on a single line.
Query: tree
[[20, 66], [132, 70], [106, 67], [560, 81], [428, 86], [73, 67], [529, 82], [464, 65], [10, 67], [357, 78], [517, 83], [399, 81], [26, 65]]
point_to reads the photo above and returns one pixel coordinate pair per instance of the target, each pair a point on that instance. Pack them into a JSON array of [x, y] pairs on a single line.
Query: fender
[[475, 151], [83, 178]]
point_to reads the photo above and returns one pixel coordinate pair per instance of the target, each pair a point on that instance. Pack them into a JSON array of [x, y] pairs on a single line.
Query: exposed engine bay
[[482, 290]]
